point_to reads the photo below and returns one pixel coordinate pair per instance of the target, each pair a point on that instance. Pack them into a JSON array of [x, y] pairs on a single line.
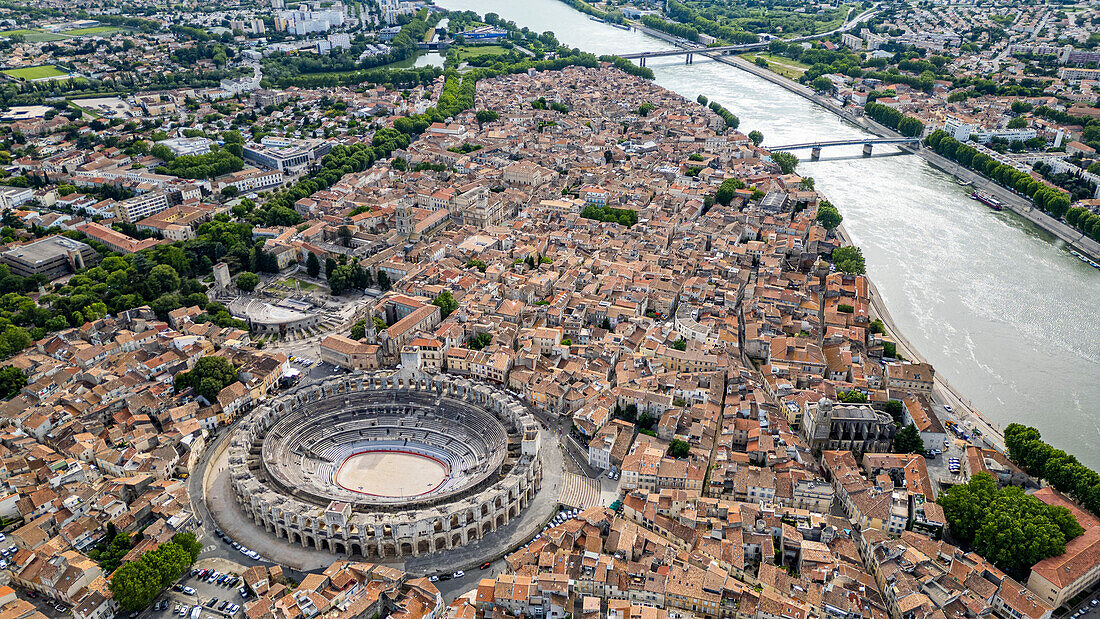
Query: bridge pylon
[[815, 153], [867, 150]]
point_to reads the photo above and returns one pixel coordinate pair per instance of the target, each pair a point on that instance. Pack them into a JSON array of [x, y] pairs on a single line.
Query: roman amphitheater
[[381, 467]]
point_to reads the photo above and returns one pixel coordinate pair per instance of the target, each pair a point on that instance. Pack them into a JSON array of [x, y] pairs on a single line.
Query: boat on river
[[987, 200]]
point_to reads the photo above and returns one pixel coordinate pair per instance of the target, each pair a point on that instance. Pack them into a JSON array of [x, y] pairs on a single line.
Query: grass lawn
[[466, 51], [303, 285], [778, 64], [34, 36], [97, 30], [35, 73]]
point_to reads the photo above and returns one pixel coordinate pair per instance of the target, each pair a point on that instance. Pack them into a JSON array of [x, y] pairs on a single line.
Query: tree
[[680, 344], [486, 116], [313, 265], [479, 341], [908, 441], [852, 397], [786, 161], [162, 279], [359, 330], [727, 190], [1006, 526], [679, 449], [756, 137], [383, 280], [247, 281], [209, 376], [343, 278], [379, 324], [135, 585], [12, 379], [1017, 123], [828, 216], [229, 191], [446, 303], [188, 542], [894, 408], [822, 84], [849, 260]]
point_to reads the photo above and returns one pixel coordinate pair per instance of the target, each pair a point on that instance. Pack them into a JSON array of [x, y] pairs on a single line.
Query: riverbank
[[962, 411], [1010, 199]]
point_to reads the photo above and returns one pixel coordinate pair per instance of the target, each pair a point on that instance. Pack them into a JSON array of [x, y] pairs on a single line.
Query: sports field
[[97, 30], [35, 73], [33, 36]]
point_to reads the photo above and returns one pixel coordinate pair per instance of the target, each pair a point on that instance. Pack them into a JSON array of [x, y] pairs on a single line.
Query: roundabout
[[382, 467]]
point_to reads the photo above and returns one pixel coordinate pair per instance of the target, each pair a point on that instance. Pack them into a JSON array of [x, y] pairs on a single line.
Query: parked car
[[459, 574], [486, 565]]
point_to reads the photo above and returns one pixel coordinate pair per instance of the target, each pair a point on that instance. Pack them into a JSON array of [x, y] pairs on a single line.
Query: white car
[[458, 574]]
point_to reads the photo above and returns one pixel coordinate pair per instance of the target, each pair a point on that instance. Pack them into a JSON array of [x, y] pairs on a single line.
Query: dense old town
[[652, 323]]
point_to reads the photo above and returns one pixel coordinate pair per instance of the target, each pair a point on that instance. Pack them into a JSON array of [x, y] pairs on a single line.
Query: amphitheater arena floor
[[391, 473], [230, 519]]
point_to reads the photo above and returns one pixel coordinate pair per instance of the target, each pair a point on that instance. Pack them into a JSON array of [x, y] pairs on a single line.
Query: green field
[[97, 30], [779, 64], [35, 73], [466, 51], [33, 36]]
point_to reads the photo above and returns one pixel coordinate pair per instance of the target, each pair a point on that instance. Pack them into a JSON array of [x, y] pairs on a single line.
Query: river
[[1005, 313]]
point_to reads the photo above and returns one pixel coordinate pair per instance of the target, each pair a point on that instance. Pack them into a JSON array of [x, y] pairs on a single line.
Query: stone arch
[[500, 520], [441, 543], [423, 546], [339, 548], [471, 533], [486, 527], [389, 550], [356, 549], [456, 540], [297, 538], [406, 549], [512, 511]]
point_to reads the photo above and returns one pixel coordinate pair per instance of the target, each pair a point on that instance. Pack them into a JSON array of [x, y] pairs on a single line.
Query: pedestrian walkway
[[579, 491]]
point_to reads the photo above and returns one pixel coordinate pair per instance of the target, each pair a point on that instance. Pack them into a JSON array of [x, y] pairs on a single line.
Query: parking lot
[[213, 586], [1089, 608]]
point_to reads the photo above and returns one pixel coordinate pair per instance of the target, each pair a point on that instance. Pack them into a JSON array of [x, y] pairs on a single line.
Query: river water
[[1005, 313]]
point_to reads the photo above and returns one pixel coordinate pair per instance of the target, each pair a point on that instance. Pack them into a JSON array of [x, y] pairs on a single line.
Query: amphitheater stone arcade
[[286, 459]]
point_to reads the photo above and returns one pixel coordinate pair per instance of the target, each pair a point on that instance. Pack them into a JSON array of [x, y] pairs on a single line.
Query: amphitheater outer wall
[[390, 532]]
